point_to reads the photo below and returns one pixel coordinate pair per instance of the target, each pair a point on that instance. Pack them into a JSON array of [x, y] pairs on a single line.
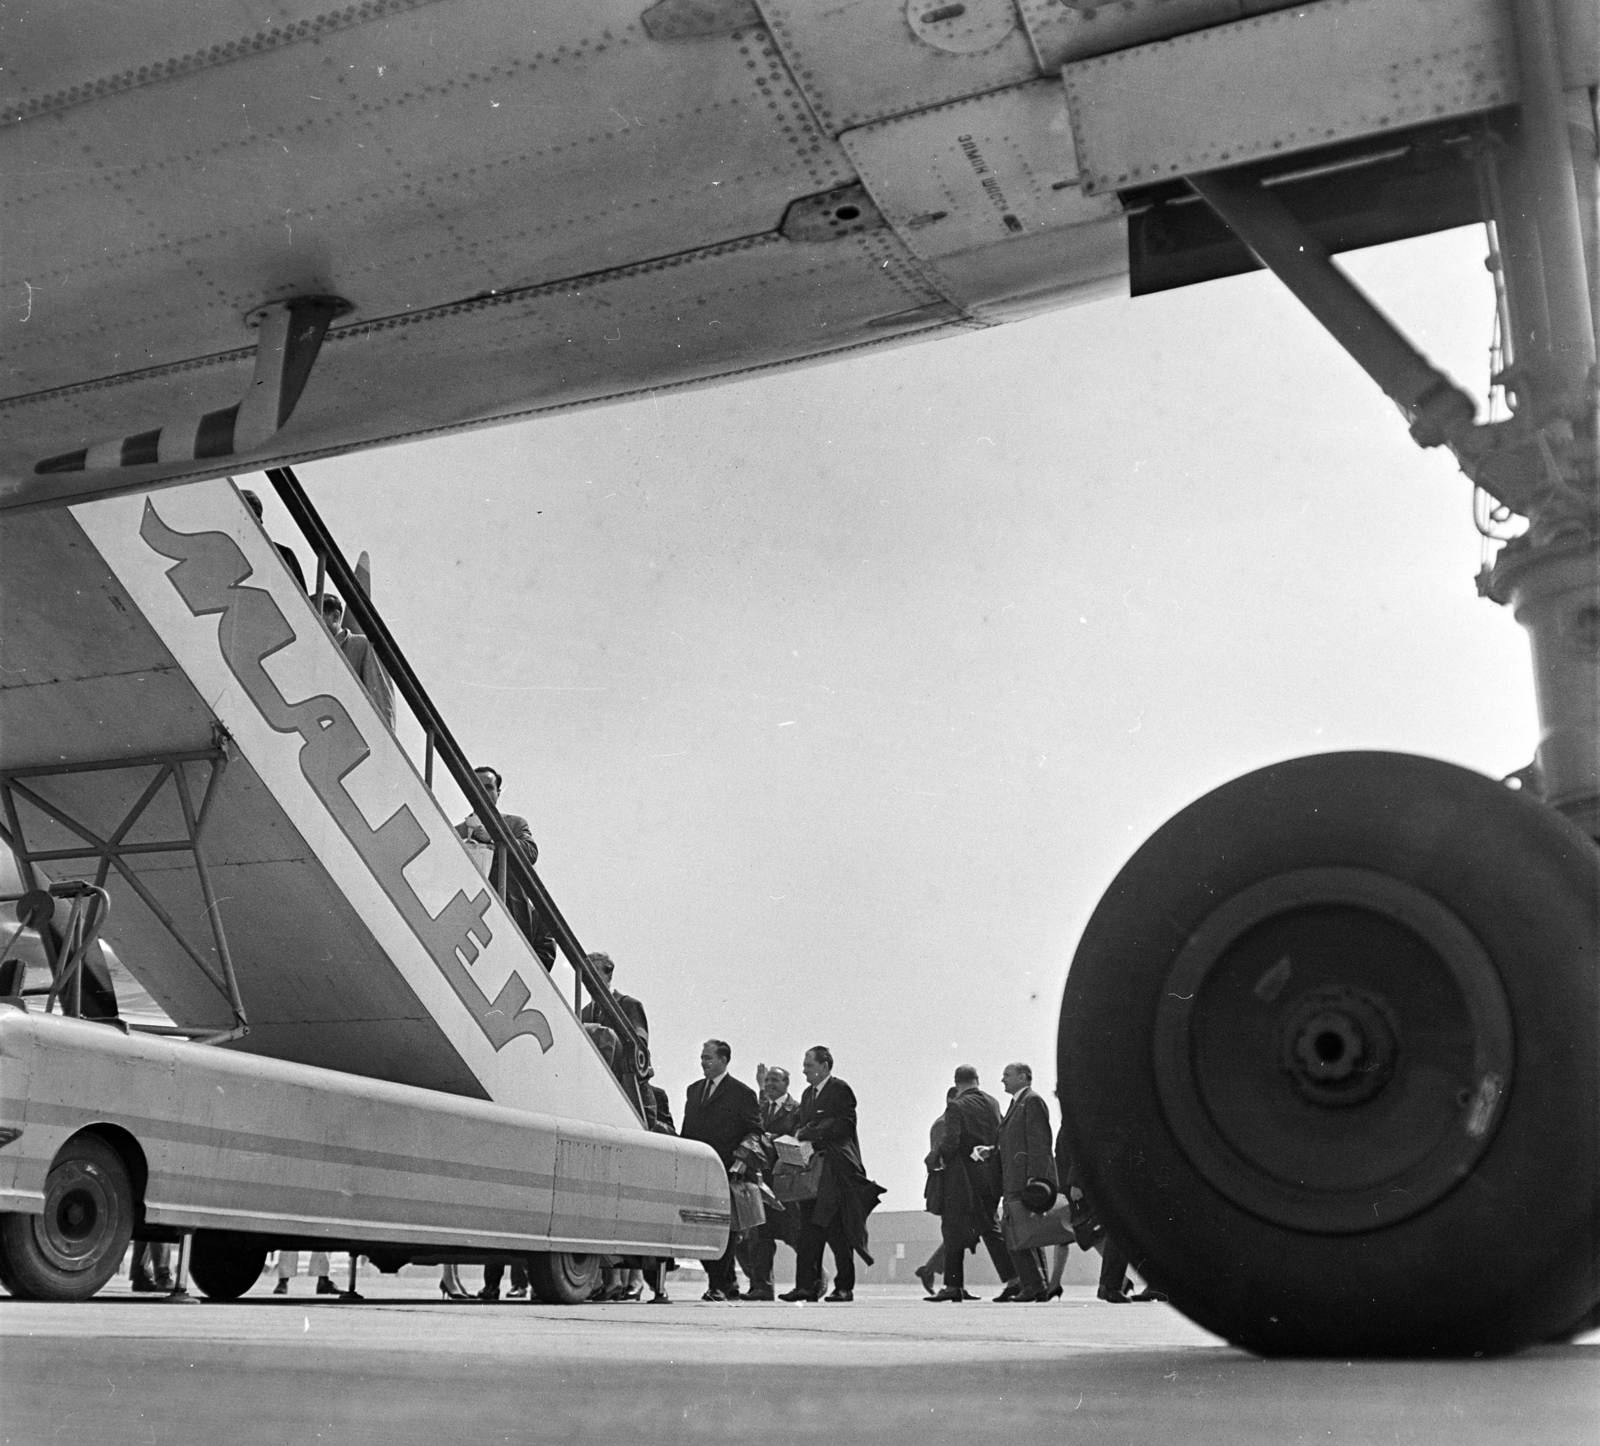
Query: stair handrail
[[306, 518]]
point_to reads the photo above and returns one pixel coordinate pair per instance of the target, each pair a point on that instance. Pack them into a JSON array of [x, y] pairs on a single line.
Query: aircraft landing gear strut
[[1330, 1046]]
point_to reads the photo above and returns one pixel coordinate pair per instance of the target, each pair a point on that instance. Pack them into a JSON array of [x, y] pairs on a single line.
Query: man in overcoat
[[845, 1197], [971, 1129], [720, 1111], [780, 1115], [1026, 1153], [1113, 1259]]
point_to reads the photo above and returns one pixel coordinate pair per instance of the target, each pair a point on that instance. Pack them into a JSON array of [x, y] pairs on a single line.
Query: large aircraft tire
[[561, 1278], [1328, 1060], [76, 1245], [224, 1264]]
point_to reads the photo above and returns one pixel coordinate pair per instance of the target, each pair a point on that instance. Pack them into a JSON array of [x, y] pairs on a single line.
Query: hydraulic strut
[[1543, 462]]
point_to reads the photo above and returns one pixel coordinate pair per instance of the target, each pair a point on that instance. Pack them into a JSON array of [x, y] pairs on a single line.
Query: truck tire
[[76, 1245], [224, 1264], [561, 1278]]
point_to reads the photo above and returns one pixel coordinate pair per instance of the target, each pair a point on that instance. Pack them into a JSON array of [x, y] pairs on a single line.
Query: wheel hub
[[79, 1217], [1325, 1046], [1339, 1046]]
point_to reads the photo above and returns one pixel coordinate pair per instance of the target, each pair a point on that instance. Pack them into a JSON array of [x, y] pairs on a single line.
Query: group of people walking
[[991, 1173], [994, 1178], [827, 1209]]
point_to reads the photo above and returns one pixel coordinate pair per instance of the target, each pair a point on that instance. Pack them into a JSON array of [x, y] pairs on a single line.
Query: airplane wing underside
[[527, 206]]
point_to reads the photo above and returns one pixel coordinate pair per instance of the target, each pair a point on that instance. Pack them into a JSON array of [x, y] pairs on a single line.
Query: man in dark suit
[[971, 1128], [780, 1115], [1026, 1153], [720, 1111], [837, 1218]]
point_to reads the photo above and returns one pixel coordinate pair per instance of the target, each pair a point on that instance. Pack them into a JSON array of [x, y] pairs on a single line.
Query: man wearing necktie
[[837, 1218], [1026, 1154], [720, 1111], [780, 1114]]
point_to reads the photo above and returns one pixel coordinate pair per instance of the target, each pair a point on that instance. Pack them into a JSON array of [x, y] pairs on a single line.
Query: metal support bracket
[[289, 337], [113, 852]]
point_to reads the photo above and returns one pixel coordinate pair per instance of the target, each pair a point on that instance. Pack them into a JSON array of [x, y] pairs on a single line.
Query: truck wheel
[[76, 1245], [1329, 1066], [226, 1263], [560, 1278]]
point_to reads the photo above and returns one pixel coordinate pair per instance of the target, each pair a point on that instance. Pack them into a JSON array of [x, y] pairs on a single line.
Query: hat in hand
[[1038, 1196]]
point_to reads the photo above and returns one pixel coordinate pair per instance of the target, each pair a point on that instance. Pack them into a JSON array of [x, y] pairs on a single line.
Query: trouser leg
[[953, 1261], [995, 1244], [318, 1264], [760, 1250], [844, 1256], [720, 1273], [493, 1273], [1029, 1265], [288, 1264], [808, 1253], [934, 1264], [1113, 1266]]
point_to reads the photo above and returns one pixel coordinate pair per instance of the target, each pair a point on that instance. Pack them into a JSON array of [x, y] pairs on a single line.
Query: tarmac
[[406, 1366]]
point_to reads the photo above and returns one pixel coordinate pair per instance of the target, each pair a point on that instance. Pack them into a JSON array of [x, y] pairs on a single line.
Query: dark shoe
[[1149, 1293], [839, 1295], [1054, 1293], [143, 1285], [949, 1293], [925, 1275], [1010, 1291], [326, 1286], [517, 1292], [798, 1294], [759, 1293], [662, 1299], [1113, 1297], [487, 1295], [282, 1287], [1028, 1297], [713, 1295]]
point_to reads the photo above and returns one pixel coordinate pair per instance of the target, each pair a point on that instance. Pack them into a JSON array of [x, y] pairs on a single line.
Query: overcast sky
[[836, 698]]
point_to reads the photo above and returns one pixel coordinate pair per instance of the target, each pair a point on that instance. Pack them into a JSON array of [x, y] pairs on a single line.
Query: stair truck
[[365, 1053]]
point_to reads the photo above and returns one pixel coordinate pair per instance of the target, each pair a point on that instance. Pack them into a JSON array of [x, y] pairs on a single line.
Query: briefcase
[[797, 1182], [1026, 1231], [748, 1211]]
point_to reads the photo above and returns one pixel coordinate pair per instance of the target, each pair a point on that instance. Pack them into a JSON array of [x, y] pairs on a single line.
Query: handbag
[[797, 1182], [1024, 1230], [748, 1211]]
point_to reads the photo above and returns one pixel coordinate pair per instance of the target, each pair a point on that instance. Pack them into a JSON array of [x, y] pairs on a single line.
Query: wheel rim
[[579, 1270], [80, 1219], [1333, 1050]]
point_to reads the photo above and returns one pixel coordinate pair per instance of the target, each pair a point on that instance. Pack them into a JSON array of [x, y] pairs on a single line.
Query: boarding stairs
[[192, 773]]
